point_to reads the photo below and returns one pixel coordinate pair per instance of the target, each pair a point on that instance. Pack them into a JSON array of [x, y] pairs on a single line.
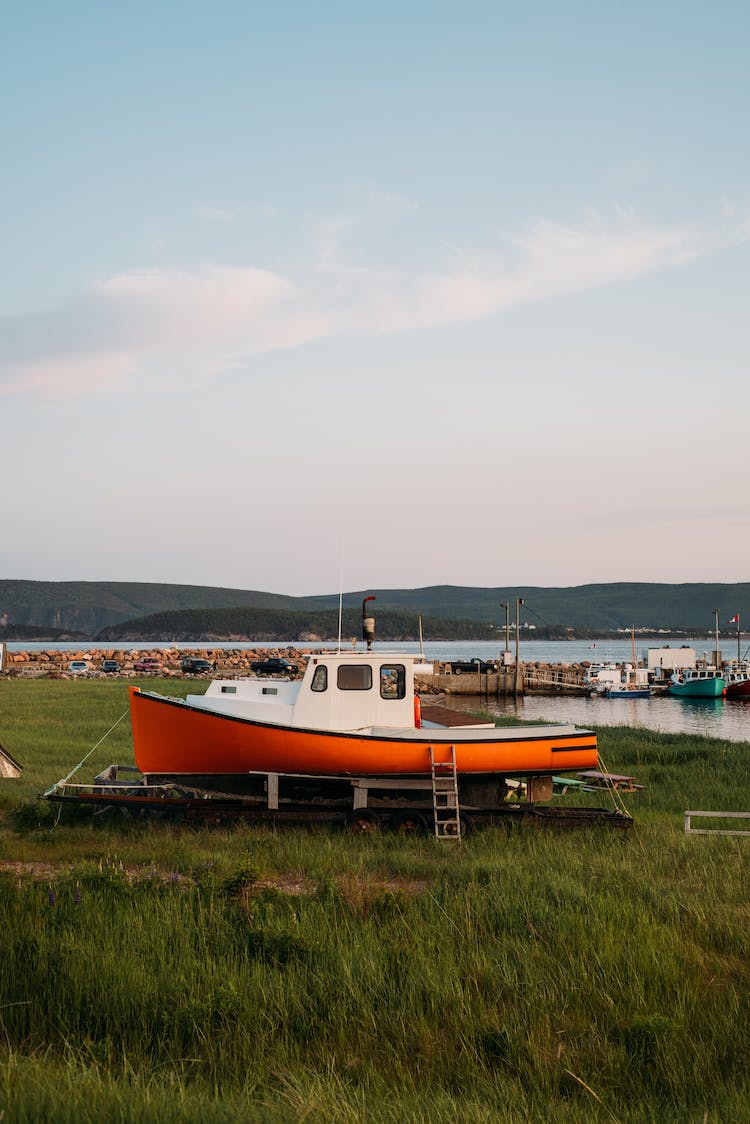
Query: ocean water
[[719, 718], [714, 718], [548, 651]]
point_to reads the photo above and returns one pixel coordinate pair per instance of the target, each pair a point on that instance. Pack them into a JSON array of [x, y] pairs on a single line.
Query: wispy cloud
[[213, 214], [209, 318]]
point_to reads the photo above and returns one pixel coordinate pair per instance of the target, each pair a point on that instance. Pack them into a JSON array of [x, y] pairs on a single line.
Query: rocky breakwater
[[227, 662]]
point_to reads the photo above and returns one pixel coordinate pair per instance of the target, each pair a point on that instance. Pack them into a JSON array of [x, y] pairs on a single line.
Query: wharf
[[532, 679]]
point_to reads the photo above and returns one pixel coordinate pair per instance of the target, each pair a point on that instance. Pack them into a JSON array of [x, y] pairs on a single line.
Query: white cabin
[[601, 675], [338, 691]]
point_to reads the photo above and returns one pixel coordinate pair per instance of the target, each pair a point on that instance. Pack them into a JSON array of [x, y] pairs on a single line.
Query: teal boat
[[698, 683]]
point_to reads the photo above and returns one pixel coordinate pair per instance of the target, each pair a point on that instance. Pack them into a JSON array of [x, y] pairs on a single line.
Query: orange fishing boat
[[351, 714]]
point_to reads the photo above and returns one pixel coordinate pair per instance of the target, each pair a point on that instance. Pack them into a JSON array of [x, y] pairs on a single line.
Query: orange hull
[[172, 738]]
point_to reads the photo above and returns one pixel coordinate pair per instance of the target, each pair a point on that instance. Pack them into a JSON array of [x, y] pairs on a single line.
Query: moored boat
[[737, 679], [599, 677], [351, 714], [632, 684], [697, 683], [628, 682], [627, 691]]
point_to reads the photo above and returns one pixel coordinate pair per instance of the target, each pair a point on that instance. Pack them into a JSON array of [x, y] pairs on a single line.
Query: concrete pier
[[533, 679]]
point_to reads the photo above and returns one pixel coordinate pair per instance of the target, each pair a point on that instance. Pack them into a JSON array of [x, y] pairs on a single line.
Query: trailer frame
[[362, 804]]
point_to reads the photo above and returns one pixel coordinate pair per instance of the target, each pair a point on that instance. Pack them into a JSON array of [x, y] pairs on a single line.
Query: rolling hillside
[[206, 625], [90, 607], [605, 607]]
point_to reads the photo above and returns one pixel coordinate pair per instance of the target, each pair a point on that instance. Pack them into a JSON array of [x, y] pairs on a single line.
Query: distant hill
[[206, 625], [90, 607], [603, 608], [33, 634]]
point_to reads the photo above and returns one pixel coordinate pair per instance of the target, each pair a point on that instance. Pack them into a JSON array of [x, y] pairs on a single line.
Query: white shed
[[665, 660]]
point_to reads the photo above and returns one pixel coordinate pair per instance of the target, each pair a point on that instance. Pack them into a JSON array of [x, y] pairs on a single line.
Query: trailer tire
[[408, 823], [363, 823], [466, 825]]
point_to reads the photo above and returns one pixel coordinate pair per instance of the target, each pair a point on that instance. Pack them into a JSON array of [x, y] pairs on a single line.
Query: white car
[[77, 667]]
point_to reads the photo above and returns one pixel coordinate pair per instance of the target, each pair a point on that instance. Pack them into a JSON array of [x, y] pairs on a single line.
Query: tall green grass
[[166, 973], [531, 973], [49, 725]]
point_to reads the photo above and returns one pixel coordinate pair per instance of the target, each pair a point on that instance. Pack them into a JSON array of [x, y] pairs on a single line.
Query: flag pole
[[736, 620]]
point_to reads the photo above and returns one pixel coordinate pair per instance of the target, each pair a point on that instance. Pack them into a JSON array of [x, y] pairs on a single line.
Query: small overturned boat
[[351, 714]]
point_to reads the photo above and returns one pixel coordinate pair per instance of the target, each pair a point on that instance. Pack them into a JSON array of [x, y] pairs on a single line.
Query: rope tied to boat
[[612, 788], [74, 770]]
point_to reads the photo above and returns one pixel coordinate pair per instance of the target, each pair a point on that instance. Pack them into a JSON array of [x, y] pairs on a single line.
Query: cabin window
[[392, 681], [229, 690], [320, 678], [354, 677], [270, 691]]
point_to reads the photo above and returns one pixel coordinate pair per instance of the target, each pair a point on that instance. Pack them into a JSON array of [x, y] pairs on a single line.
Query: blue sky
[[452, 293]]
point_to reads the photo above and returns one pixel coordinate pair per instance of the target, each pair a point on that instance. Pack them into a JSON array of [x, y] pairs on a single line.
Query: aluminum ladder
[[445, 795]]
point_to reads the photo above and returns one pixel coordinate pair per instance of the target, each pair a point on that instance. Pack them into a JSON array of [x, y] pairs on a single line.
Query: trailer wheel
[[408, 823], [466, 824], [363, 823]]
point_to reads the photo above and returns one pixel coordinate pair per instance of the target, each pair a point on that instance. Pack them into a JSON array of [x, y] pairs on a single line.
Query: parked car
[[273, 666], [110, 667], [465, 667], [78, 667], [191, 664], [148, 663]]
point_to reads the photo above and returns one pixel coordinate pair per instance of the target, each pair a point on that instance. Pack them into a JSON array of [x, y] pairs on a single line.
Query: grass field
[[158, 972]]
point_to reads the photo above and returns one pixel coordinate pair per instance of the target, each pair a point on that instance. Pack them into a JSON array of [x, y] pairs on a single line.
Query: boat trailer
[[361, 804]]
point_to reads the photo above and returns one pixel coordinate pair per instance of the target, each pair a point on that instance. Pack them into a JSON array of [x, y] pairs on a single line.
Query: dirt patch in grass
[[293, 884], [34, 870], [361, 891], [31, 869], [357, 890]]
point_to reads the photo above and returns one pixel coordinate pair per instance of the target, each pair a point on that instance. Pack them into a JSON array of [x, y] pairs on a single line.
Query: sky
[[309, 294]]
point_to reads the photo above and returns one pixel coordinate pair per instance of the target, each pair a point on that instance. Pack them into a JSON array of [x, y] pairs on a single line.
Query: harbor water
[[713, 718], [720, 718]]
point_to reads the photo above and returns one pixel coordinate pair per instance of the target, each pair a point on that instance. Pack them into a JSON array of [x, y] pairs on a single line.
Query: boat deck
[[470, 734], [435, 714]]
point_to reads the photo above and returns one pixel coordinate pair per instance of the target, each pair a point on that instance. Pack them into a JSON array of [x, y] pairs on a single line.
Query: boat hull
[[628, 693], [739, 690], [171, 738], [698, 689]]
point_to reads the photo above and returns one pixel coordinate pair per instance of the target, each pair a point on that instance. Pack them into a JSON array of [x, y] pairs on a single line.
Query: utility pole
[[517, 688], [506, 605]]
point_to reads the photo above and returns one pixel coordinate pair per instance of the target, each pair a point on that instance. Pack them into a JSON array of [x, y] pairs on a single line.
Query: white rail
[[690, 830]]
